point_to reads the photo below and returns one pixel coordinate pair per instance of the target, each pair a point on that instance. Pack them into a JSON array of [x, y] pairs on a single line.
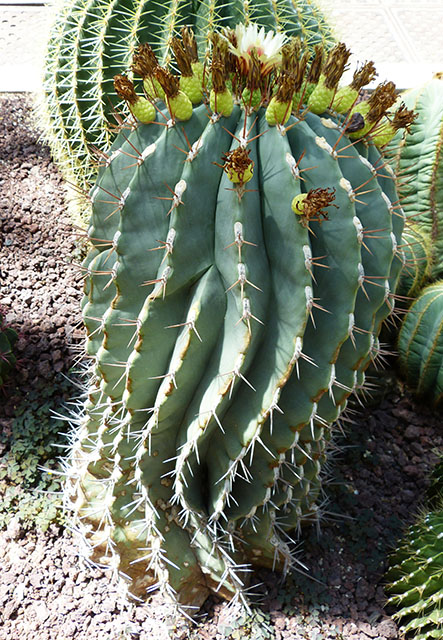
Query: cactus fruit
[[420, 343], [228, 321], [8, 337], [90, 41], [415, 574], [417, 158]]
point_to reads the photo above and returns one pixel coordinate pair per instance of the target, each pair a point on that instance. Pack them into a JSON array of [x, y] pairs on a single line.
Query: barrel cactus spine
[[91, 41], [227, 324]]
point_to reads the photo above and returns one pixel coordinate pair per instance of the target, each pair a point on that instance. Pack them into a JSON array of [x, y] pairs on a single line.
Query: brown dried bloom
[[290, 52], [190, 44], [219, 76], [286, 87], [311, 207], [316, 65], [300, 70], [182, 57], [336, 65], [363, 76], [403, 117], [381, 100], [125, 89], [169, 83], [253, 79], [238, 165], [144, 61]]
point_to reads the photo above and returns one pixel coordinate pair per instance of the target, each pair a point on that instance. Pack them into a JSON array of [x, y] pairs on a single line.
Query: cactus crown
[[90, 42]]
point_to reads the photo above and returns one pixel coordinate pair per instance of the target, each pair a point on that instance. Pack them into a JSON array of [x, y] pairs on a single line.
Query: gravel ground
[[377, 477]]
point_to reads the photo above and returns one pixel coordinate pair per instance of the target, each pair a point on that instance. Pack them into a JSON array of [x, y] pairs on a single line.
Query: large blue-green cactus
[[243, 260]]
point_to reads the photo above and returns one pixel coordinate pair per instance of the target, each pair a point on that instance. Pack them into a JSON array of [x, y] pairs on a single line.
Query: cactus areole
[[244, 254]]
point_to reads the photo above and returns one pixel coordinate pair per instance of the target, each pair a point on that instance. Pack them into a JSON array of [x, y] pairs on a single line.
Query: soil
[[377, 478]]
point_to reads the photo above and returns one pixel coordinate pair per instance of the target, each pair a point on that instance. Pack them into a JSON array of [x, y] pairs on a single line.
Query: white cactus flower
[[266, 45]]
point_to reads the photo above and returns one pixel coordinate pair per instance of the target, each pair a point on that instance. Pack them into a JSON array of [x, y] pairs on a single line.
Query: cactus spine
[[233, 297]]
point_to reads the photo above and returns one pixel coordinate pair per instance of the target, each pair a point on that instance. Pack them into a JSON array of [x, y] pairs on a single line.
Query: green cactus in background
[[417, 158], [244, 257], [420, 343], [416, 578], [8, 338], [92, 40], [415, 574], [417, 248], [435, 489]]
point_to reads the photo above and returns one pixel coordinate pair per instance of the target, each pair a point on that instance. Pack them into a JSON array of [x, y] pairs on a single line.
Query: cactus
[[416, 245], [420, 343], [417, 158], [435, 489], [415, 574], [242, 262], [90, 41], [8, 337], [416, 578]]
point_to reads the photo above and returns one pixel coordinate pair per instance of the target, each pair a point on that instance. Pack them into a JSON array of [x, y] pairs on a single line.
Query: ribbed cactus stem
[[415, 574], [417, 158], [240, 270]]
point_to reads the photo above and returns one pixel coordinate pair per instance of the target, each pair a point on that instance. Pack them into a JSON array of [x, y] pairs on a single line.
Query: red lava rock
[[412, 432], [387, 629], [367, 629], [412, 469]]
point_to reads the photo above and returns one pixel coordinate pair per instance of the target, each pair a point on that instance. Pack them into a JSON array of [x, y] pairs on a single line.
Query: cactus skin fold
[[227, 328]]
